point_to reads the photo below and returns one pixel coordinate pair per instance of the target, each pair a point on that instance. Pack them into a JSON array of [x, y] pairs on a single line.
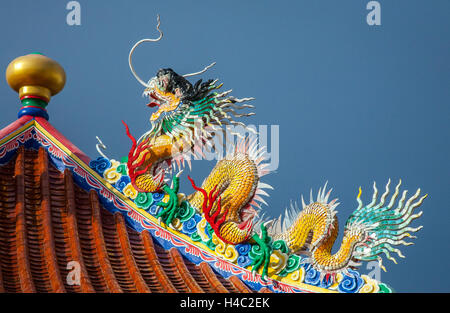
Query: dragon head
[[166, 91]]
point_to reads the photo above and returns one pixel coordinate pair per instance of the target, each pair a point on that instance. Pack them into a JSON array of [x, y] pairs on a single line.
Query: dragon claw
[[263, 241], [171, 208]]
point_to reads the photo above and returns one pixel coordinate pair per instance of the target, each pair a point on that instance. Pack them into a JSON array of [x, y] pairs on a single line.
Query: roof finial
[[36, 78]]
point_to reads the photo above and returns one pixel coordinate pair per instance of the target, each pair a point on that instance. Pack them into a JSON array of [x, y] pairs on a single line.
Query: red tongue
[[153, 104]]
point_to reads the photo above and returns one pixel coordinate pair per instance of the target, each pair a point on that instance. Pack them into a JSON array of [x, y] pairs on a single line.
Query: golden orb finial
[[35, 75]]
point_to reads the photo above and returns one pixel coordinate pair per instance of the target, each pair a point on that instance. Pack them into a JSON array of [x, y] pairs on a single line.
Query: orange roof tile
[[47, 221]]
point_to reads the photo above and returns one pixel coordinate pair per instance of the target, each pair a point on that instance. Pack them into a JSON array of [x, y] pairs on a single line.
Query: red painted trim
[[55, 133], [34, 97], [33, 106], [48, 127], [14, 126]]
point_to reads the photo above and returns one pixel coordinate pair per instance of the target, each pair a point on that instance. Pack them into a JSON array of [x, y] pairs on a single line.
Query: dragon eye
[[163, 84]]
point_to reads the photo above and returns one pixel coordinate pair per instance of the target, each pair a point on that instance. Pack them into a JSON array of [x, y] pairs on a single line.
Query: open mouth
[[155, 100], [161, 99]]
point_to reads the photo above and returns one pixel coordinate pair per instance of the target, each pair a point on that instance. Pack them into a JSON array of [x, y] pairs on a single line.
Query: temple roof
[[48, 220]]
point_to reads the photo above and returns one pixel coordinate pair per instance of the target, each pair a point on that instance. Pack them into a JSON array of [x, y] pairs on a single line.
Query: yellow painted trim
[[18, 131]]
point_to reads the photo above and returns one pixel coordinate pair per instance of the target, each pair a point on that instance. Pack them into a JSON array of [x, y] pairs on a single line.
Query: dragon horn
[[136, 45], [202, 71]]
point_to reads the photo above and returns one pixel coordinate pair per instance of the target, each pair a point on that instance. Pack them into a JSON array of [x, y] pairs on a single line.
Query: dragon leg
[[265, 248], [171, 208]]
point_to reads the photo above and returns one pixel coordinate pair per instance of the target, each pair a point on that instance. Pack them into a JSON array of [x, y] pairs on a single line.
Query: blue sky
[[355, 103]]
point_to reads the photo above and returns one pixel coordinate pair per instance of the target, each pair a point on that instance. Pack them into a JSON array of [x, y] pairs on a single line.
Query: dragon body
[[236, 180], [186, 122]]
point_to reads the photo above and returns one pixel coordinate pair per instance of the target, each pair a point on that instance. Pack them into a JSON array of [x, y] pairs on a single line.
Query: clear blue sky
[[355, 103]]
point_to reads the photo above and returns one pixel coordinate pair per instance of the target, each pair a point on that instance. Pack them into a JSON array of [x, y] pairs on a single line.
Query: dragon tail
[[383, 225], [370, 231]]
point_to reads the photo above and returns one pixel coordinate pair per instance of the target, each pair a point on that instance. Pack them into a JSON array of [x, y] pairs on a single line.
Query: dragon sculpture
[[187, 119]]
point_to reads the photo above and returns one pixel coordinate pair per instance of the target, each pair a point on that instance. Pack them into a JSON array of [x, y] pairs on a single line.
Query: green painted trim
[[35, 102]]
